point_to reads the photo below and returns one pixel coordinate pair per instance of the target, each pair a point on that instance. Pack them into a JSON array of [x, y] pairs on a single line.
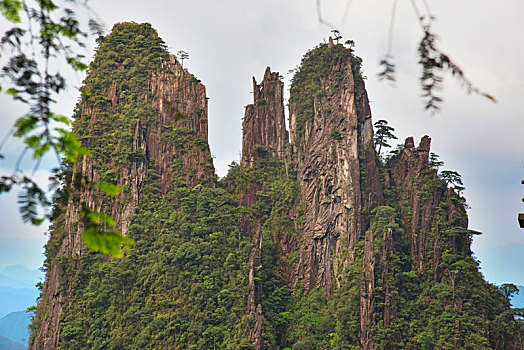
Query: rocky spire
[[181, 101], [264, 126], [264, 135]]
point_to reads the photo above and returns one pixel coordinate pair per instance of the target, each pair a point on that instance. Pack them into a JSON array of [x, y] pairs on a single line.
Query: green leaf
[[34, 141], [41, 150], [108, 188], [108, 242], [490, 97], [10, 9], [77, 64], [61, 118], [98, 217], [12, 92], [69, 145], [25, 124], [37, 221]]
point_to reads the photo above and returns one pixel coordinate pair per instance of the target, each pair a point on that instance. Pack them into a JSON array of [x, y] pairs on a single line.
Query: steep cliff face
[[152, 113], [367, 287], [353, 289], [179, 141], [332, 138]]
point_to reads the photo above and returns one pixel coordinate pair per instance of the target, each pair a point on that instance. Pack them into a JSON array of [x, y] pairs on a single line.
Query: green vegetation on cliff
[[182, 285], [116, 92], [316, 66], [214, 264]]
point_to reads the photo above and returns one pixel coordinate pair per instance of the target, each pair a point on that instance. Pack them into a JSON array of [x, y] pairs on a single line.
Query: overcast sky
[[229, 41]]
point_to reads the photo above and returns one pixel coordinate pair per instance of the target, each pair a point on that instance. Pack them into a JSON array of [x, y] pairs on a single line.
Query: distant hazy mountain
[[26, 251], [22, 273], [13, 283], [17, 293], [16, 299], [17, 288], [8, 344], [14, 326]]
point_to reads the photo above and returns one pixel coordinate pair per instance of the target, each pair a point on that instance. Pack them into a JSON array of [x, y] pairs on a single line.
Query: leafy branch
[[47, 34], [433, 61]]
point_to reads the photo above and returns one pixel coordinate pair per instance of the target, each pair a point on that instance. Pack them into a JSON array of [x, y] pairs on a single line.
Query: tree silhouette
[[434, 163], [336, 35], [383, 133], [451, 177], [182, 55]]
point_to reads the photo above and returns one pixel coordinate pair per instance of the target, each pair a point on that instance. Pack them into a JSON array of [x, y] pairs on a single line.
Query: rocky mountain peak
[[140, 114], [264, 126], [332, 137]]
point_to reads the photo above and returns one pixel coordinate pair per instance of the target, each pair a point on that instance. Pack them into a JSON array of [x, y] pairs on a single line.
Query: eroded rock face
[[181, 106], [122, 208], [335, 183], [420, 194], [264, 125], [254, 302], [310, 235], [385, 260], [264, 135], [372, 195], [181, 102]]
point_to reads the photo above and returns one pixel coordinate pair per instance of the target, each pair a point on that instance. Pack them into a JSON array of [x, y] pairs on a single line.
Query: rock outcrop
[[181, 101], [367, 287], [420, 194], [312, 242], [264, 126], [264, 135]]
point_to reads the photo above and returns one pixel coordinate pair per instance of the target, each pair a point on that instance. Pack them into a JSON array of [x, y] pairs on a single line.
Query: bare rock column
[[264, 125], [419, 204]]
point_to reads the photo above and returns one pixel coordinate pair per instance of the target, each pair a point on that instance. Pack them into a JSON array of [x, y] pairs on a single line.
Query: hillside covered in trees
[[313, 241]]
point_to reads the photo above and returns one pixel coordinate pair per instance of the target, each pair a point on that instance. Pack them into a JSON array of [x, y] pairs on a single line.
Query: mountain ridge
[[15, 326], [314, 242]]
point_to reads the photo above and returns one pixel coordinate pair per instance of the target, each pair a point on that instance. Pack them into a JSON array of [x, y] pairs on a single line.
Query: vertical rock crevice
[[254, 305], [264, 135]]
